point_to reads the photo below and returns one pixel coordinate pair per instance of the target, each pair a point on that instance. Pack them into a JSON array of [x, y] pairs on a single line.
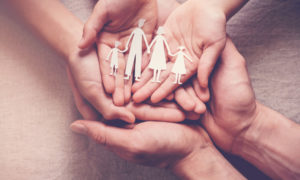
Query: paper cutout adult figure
[[114, 58], [179, 66], [158, 60], [135, 52]]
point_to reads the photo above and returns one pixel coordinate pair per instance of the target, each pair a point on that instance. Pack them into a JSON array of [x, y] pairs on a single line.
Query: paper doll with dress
[[179, 65], [158, 60]]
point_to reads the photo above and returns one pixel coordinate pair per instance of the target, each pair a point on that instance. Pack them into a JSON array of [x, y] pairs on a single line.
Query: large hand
[[157, 144], [114, 20], [90, 96], [198, 26], [232, 107]]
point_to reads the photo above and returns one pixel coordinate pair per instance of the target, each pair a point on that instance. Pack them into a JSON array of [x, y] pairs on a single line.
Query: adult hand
[[159, 144], [232, 107], [115, 20], [90, 96], [200, 27]]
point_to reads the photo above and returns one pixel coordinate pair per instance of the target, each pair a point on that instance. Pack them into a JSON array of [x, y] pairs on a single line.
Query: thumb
[[207, 62], [106, 135], [94, 25]]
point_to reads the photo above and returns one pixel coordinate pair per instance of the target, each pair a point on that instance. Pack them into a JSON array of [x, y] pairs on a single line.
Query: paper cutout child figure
[[179, 66], [114, 58], [158, 60], [135, 52]]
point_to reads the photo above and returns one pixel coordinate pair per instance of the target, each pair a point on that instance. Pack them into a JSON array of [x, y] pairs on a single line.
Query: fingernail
[[79, 128]]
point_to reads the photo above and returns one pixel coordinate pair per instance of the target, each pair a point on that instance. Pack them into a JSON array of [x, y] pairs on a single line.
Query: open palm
[[202, 31], [111, 21]]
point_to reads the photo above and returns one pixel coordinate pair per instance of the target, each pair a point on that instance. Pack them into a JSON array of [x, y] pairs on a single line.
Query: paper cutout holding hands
[[158, 60], [114, 58], [136, 50], [179, 66]]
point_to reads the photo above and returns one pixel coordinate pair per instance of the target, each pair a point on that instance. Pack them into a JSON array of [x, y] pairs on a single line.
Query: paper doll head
[[181, 48], [117, 44], [160, 30], [141, 23]]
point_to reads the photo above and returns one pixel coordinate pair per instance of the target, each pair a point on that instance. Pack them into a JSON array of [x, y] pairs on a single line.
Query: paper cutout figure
[[179, 66], [114, 58], [158, 60], [135, 52]]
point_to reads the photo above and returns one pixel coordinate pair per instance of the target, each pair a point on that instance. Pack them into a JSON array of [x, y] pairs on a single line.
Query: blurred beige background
[[36, 104]]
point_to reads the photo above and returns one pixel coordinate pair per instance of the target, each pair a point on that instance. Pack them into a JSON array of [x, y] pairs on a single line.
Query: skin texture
[[232, 107], [201, 29], [82, 80], [114, 20], [181, 147]]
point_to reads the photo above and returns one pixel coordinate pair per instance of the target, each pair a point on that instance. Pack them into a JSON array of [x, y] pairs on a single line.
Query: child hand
[[200, 27], [114, 20]]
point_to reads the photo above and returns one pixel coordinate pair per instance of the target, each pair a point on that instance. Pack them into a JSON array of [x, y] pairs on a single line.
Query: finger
[[208, 61], [108, 80], [94, 25], [127, 85], [202, 93], [119, 92], [109, 136], [147, 90], [200, 107], [170, 97], [85, 109], [184, 99], [192, 116], [146, 76], [156, 113], [169, 86]]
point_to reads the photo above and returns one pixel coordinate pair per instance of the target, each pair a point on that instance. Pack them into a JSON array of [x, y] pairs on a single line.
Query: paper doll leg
[[112, 70], [115, 71], [157, 76], [154, 75], [129, 65], [176, 77], [179, 77], [138, 66]]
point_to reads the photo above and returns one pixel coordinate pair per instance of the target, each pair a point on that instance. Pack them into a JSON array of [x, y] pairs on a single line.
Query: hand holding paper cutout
[[200, 27], [115, 20]]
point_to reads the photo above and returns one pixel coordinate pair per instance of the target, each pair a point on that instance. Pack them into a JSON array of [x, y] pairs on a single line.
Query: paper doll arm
[[188, 58], [168, 48], [146, 42], [152, 43], [123, 51], [127, 44], [173, 55], [108, 56]]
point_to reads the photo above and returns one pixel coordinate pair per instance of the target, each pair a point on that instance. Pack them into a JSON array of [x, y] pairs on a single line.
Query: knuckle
[[92, 91], [108, 115]]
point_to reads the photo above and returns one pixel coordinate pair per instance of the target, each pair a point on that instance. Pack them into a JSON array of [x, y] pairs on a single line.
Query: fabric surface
[[36, 104]]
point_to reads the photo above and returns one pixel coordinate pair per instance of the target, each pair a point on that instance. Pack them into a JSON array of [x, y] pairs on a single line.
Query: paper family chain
[[158, 61]]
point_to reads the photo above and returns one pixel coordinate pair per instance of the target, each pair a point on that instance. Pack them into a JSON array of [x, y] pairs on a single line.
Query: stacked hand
[[171, 145]]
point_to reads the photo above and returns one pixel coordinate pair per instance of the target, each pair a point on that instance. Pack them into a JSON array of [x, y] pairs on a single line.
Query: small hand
[[201, 29], [114, 20], [90, 96]]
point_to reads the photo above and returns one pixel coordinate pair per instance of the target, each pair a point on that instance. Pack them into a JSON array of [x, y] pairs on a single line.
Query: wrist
[[205, 163], [228, 8], [271, 144]]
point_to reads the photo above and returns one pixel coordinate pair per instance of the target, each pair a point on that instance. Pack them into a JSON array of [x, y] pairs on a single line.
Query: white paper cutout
[[179, 66], [114, 61], [158, 60], [135, 52]]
